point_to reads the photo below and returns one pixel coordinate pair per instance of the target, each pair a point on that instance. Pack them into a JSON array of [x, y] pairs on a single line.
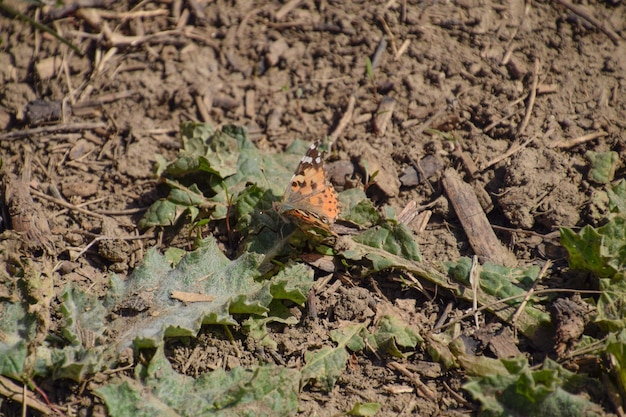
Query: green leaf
[[617, 197], [174, 255], [292, 283], [17, 328], [391, 333], [369, 70], [601, 251], [497, 280], [616, 347], [611, 309], [256, 326], [393, 238], [523, 392], [349, 335], [603, 166], [234, 286], [160, 391], [194, 137], [161, 213], [357, 208], [469, 362], [365, 409], [83, 314], [324, 366]]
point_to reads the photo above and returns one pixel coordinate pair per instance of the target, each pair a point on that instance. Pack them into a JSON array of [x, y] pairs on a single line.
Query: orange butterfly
[[310, 201]]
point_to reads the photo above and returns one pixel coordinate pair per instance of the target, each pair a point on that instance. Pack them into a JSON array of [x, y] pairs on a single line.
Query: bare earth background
[[299, 69]]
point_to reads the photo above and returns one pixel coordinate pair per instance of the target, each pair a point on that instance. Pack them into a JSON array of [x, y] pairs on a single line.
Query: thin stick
[[345, 119], [509, 48], [244, 21], [101, 238], [68, 128], [232, 341], [511, 298], [286, 9], [12, 391], [15, 13], [444, 315], [106, 98], [475, 223], [514, 149], [587, 16], [61, 12], [458, 397], [430, 120], [548, 236], [402, 49], [531, 99], [389, 34], [109, 14], [65, 204], [120, 212], [566, 144], [530, 292], [421, 387], [474, 278], [500, 120]]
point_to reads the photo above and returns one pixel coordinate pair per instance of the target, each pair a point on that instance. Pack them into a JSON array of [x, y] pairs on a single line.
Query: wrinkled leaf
[[160, 391], [349, 335], [357, 208], [603, 166], [232, 284], [17, 327], [616, 347], [617, 197], [391, 333], [611, 308], [524, 392], [82, 314], [601, 251], [324, 366], [394, 238], [497, 280]]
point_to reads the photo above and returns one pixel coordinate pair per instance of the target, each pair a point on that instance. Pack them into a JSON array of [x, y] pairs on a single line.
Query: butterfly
[[310, 201]]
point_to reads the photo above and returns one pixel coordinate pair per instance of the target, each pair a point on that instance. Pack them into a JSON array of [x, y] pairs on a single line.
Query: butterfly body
[[310, 201]]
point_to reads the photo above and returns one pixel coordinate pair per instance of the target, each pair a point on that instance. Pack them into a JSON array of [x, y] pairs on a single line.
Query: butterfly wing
[[310, 199]]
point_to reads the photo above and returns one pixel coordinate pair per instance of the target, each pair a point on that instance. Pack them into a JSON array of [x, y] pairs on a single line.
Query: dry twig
[[512, 150], [509, 49], [345, 119], [421, 387], [530, 292], [12, 391], [286, 9], [580, 11], [474, 221], [531, 99], [389, 34], [44, 130], [65, 204], [566, 144]]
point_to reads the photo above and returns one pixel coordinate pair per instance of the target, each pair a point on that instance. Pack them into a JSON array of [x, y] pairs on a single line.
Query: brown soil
[[445, 70]]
